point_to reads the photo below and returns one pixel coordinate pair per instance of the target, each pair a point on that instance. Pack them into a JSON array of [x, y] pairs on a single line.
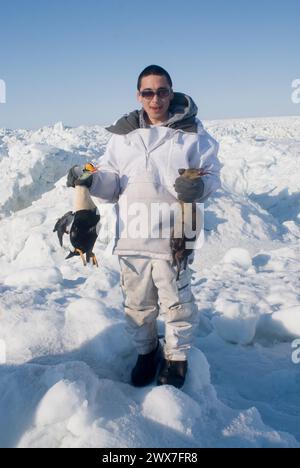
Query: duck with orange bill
[[82, 223]]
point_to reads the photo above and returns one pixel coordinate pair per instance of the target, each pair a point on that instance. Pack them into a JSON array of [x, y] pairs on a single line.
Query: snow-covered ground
[[65, 382]]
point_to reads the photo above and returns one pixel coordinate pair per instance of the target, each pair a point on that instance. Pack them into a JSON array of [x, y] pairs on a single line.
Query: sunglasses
[[161, 93]]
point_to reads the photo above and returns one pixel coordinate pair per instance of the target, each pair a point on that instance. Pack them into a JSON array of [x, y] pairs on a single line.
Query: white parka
[[138, 171]]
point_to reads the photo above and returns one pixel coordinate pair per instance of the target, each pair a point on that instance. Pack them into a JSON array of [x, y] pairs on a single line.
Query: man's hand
[[79, 175], [189, 190]]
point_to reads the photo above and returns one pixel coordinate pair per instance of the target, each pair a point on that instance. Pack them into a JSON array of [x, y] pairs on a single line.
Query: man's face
[[156, 108]]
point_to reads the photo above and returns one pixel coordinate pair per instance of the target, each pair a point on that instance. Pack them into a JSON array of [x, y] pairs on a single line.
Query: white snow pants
[[148, 284]]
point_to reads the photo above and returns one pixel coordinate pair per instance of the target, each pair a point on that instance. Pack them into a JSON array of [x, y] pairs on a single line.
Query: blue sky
[[78, 61]]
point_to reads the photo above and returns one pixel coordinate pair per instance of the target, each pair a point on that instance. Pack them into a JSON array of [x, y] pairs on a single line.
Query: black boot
[[172, 373], [146, 366]]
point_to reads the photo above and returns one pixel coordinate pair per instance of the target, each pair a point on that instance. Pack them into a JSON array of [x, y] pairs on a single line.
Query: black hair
[[154, 70]]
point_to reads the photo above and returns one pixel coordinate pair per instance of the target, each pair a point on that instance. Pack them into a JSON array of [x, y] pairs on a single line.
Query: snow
[[65, 382], [238, 258]]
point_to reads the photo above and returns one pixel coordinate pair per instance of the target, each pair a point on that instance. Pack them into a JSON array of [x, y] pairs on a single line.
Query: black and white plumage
[[82, 225]]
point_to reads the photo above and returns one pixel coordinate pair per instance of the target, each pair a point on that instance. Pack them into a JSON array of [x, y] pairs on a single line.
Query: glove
[[83, 176], [189, 190]]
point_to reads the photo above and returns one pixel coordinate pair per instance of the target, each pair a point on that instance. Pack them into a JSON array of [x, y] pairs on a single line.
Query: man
[[141, 163]]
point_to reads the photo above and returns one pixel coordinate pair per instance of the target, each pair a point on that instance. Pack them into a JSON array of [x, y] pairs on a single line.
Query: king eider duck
[[81, 224]]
